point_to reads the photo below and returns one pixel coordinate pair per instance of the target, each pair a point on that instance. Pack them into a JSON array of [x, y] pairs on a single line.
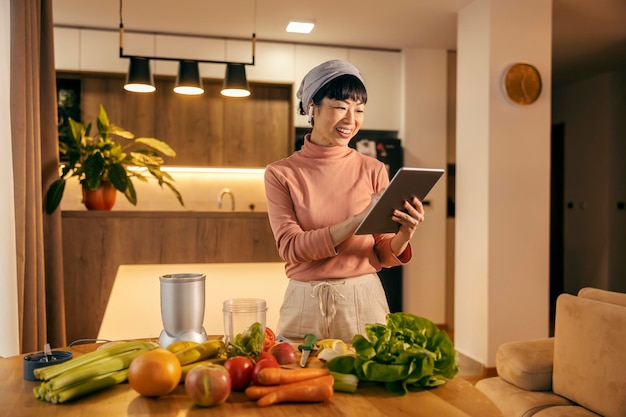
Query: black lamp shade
[[139, 78], [235, 82], [188, 81]]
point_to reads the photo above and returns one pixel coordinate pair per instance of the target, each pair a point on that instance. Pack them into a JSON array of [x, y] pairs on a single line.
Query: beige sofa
[[580, 372]]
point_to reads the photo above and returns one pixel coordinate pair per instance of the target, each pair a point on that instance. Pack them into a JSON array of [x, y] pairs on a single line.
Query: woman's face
[[336, 121]]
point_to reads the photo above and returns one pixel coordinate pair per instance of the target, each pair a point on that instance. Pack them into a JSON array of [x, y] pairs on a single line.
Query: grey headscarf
[[320, 75]]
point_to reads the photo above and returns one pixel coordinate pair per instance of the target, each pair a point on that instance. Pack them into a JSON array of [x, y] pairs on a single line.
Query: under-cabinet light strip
[[213, 170]]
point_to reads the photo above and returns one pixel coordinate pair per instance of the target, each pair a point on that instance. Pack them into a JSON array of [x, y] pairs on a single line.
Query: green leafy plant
[[409, 351], [99, 158]]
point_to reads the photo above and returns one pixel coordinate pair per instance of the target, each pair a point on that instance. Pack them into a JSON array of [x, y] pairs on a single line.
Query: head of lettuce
[[409, 351]]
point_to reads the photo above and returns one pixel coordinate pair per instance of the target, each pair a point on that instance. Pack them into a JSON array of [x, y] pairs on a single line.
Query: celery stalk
[[100, 367], [50, 372], [345, 382], [91, 385]]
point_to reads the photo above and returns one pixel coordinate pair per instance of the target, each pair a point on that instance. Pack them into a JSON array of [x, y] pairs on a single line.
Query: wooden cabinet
[[95, 243], [205, 130]]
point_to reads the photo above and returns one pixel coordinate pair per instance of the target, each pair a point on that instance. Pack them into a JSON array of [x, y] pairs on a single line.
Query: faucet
[[220, 196]]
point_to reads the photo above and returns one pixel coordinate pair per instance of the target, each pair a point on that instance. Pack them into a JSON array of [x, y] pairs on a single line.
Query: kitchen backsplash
[[200, 191]]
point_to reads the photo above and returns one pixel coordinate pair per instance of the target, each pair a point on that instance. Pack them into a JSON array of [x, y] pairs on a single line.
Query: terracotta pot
[[102, 198]]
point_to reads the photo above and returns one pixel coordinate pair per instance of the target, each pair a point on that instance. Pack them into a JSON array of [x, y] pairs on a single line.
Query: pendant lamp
[[188, 81], [235, 82], [139, 78]]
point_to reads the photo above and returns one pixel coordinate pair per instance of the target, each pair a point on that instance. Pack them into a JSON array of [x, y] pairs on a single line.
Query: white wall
[[425, 145], [9, 342], [503, 179]]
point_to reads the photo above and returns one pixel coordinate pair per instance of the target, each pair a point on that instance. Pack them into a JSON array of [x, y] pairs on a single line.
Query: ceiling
[[588, 36]]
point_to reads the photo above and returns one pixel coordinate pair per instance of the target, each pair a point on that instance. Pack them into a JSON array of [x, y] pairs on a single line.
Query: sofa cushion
[[597, 294], [590, 354], [527, 364], [566, 411], [516, 402]]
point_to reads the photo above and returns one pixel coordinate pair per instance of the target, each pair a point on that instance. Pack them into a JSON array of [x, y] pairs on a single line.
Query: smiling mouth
[[344, 132]]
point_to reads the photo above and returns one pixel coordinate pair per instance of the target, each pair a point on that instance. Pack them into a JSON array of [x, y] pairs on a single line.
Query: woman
[[316, 199]]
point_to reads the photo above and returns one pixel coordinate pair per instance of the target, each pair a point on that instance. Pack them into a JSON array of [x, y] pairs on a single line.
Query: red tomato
[[240, 369], [266, 355], [263, 363], [270, 339]]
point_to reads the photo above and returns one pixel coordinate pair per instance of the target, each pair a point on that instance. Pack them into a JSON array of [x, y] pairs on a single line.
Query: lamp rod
[[205, 61]]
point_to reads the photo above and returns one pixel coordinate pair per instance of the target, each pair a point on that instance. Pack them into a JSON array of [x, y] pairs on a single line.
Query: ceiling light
[[139, 78], [235, 82], [188, 81], [300, 27]]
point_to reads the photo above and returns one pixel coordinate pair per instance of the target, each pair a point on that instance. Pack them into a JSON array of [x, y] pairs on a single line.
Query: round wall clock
[[522, 83]]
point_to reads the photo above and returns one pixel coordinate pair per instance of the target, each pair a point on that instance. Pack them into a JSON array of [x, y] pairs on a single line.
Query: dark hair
[[340, 88]]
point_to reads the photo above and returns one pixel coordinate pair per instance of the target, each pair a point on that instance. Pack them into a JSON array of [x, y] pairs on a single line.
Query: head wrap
[[322, 74]]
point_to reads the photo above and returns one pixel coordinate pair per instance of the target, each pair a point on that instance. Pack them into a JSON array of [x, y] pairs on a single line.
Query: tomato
[[240, 369], [270, 339], [263, 363], [266, 355], [154, 373]]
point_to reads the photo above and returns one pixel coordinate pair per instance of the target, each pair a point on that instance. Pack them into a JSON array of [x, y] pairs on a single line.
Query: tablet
[[407, 182]]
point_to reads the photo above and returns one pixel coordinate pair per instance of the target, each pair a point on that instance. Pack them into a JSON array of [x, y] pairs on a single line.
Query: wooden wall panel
[[95, 243], [195, 124], [205, 130]]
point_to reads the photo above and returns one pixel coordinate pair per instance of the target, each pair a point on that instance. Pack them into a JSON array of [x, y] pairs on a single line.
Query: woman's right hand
[[342, 231]]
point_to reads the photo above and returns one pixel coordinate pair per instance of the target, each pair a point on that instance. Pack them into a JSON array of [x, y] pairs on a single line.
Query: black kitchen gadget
[[41, 360]]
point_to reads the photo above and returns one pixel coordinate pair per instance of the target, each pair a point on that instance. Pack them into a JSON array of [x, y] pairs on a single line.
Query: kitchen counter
[[457, 398], [134, 307]]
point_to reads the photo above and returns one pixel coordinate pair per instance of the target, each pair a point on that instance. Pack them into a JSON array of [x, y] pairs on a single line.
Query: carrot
[[255, 392], [276, 376], [297, 393]]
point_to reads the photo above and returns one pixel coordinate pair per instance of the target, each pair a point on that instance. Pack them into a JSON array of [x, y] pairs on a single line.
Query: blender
[[182, 308]]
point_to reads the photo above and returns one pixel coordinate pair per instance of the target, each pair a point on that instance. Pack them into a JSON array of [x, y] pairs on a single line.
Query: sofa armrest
[[590, 354], [527, 364]]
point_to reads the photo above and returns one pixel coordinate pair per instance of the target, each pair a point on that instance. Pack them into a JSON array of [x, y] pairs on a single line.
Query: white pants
[[334, 308]]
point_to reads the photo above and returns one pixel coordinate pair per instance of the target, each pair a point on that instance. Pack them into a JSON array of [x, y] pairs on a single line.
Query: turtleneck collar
[[311, 150]]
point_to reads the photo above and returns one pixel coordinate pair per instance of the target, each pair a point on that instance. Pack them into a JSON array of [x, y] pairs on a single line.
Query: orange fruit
[[154, 373]]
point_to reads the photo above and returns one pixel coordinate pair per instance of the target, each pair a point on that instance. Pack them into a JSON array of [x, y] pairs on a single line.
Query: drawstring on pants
[[326, 293]]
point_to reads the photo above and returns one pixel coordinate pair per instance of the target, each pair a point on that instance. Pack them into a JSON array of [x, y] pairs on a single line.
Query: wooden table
[[457, 398]]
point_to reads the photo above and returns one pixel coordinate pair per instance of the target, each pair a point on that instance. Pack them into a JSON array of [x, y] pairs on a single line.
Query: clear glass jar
[[240, 314]]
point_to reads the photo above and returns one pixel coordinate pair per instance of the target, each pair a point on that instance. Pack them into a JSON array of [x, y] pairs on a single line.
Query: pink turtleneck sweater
[[313, 189]]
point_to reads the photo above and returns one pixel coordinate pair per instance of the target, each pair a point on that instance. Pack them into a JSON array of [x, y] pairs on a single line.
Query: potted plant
[[104, 165]]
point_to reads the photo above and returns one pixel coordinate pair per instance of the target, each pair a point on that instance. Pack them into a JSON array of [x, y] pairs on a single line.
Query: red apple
[[284, 353], [208, 385]]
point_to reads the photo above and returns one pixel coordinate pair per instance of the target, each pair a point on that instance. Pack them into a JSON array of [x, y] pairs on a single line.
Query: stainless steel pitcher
[[182, 307]]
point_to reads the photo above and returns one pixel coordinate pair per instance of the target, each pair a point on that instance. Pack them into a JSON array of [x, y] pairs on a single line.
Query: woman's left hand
[[409, 221]]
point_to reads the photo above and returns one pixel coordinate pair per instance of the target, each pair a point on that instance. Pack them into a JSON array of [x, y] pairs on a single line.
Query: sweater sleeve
[[382, 247], [293, 243]]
